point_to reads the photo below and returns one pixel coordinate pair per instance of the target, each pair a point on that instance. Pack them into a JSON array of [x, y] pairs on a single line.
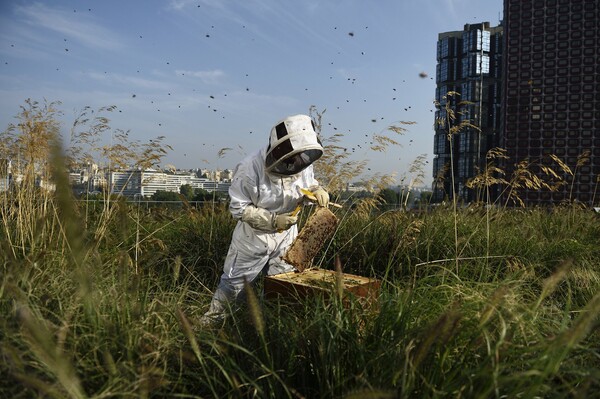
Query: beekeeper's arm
[[244, 194], [261, 219]]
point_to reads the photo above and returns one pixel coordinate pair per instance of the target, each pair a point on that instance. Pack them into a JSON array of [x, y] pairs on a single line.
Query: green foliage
[[203, 195], [389, 196], [187, 191], [104, 326], [425, 197], [162, 195]]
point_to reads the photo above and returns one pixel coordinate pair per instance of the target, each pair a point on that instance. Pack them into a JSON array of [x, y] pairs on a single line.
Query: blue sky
[[212, 74]]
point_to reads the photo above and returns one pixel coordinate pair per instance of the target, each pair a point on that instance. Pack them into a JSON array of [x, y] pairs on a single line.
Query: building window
[[588, 59], [537, 73], [588, 107], [442, 145], [446, 71]]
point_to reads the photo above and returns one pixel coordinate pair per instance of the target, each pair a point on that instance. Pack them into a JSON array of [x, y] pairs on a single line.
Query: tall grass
[[115, 315]]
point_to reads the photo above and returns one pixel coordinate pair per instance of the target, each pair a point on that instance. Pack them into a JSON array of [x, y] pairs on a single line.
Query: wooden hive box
[[312, 282]]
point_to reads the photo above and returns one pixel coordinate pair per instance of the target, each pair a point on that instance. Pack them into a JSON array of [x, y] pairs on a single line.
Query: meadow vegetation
[[100, 299]]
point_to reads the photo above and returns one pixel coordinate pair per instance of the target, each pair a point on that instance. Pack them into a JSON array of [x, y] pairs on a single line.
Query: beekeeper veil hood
[[293, 146]]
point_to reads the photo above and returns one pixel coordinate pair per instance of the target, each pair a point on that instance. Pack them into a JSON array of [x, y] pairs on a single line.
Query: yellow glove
[[322, 197], [285, 221]]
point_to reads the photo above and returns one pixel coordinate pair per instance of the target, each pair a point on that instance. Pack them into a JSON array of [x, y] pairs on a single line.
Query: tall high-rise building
[[551, 95], [469, 64]]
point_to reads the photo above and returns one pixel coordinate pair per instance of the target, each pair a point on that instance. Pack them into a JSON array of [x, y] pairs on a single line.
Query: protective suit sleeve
[[244, 188], [259, 218]]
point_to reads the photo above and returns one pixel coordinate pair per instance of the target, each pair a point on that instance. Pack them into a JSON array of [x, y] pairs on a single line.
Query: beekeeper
[[264, 192]]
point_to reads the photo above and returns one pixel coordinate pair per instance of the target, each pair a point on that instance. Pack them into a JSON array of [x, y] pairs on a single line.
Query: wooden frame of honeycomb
[[317, 230]]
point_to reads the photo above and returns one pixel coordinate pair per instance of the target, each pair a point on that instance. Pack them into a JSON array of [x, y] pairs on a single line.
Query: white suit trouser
[[250, 252]]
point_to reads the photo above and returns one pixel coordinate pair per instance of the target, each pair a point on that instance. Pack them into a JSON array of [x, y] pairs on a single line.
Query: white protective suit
[[265, 185]]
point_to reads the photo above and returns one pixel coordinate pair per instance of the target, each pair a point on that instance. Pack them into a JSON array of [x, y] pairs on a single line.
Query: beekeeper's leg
[[282, 243], [278, 266], [243, 263]]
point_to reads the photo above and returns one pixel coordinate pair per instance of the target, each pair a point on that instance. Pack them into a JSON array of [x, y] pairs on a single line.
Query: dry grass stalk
[[584, 323], [492, 175], [417, 168], [411, 233], [439, 332], [526, 175], [547, 173], [56, 362], [454, 125], [339, 278], [256, 315], [26, 208], [440, 178], [335, 170], [188, 331], [94, 142], [492, 305], [582, 160]]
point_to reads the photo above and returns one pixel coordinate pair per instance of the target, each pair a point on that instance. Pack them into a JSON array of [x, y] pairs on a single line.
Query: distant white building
[[216, 175], [88, 178], [147, 182], [9, 175], [356, 187]]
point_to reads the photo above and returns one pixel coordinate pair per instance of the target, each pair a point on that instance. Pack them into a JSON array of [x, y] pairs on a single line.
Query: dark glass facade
[[469, 62], [551, 94]]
